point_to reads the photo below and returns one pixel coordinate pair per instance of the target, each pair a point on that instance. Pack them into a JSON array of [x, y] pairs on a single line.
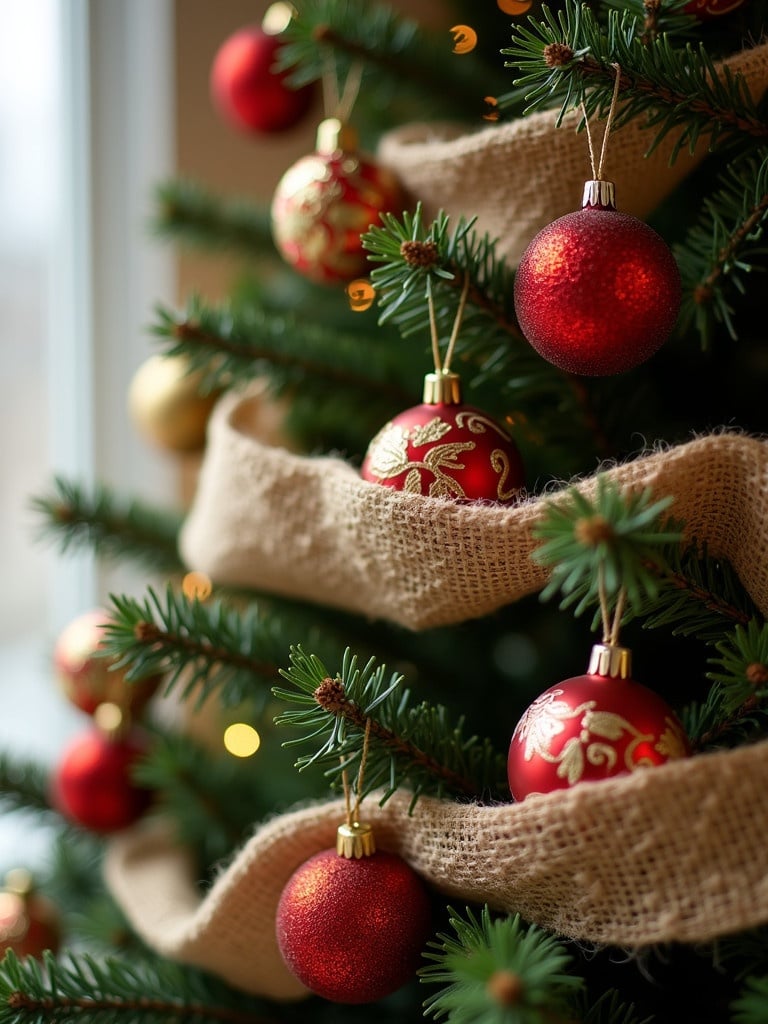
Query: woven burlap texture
[[517, 177], [671, 853], [311, 528]]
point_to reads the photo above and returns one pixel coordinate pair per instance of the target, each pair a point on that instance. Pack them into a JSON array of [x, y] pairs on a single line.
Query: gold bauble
[[165, 406]]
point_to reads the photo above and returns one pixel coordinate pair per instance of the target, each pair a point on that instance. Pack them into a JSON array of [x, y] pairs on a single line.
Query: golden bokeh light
[[514, 6], [464, 38], [241, 739], [361, 294], [196, 585], [491, 113]]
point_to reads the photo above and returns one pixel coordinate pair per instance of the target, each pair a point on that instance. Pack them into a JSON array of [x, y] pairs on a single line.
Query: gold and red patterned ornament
[[597, 292], [707, 10], [445, 449], [352, 921], [93, 784], [326, 201], [592, 727], [87, 677], [245, 87], [29, 923]]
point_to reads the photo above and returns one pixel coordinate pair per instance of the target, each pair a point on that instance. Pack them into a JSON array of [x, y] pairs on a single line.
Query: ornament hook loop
[[355, 841]]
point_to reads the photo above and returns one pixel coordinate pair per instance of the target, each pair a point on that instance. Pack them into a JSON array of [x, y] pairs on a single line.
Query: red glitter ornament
[[597, 292], [92, 785], [351, 924], [592, 727], [445, 449], [29, 923], [87, 677], [706, 10], [245, 88], [326, 201]]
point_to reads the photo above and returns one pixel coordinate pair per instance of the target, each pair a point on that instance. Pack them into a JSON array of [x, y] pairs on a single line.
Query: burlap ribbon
[[311, 528], [517, 177], [670, 853]]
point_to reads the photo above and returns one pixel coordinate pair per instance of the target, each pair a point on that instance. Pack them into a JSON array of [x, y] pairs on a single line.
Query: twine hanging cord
[[444, 365], [353, 813], [337, 103], [597, 167]]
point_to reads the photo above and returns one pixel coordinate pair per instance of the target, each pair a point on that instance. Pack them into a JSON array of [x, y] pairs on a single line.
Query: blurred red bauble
[[352, 928], [705, 10], [92, 785], [597, 292], [87, 677], [248, 92], [29, 923], [592, 727], [326, 201], [445, 449]]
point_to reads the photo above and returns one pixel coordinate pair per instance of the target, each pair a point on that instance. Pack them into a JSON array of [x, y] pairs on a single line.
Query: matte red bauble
[[29, 923], [705, 10], [248, 92], [592, 727], [597, 292], [445, 449], [87, 677], [92, 785], [352, 928], [325, 202]]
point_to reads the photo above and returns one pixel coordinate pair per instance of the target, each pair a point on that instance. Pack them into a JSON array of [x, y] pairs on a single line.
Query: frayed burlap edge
[[310, 528], [528, 172], [674, 853]]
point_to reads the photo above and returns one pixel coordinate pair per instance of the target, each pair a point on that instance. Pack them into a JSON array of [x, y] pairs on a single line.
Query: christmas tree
[[482, 419]]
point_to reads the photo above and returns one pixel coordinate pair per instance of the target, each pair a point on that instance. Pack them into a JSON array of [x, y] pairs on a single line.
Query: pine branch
[[725, 245], [410, 745], [609, 1009], [615, 539], [396, 54], [570, 58], [114, 992], [499, 970], [190, 214], [200, 647], [24, 785], [742, 665], [112, 528], [752, 1005]]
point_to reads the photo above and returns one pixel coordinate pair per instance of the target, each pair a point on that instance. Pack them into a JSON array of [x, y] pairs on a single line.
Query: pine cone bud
[[556, 55], [757, 673], [419, 254], [593, 530], [331, 695], [505, 988]]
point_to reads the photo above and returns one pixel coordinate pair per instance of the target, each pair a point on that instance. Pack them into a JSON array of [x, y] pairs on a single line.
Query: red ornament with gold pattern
[[592, 727], [445, 449], [326, 201], [597, 292], [707, 10], [29, 923], [352, 921]]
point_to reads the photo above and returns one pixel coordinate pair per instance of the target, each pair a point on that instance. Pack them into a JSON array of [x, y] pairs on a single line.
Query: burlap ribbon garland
[[517, 177], [675, 853], [311, 528]]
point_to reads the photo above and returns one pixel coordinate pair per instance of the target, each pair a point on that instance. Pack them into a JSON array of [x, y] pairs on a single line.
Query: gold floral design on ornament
[[390, 458], [546, 718], [476, 423]]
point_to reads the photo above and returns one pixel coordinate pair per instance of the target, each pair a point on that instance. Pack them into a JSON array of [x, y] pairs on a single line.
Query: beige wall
[[212, 152]]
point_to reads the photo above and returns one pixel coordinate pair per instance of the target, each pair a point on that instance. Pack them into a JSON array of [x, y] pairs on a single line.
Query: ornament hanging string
[[440, 363], [353, 814], [610, 629], [338, 104], [597, 168]]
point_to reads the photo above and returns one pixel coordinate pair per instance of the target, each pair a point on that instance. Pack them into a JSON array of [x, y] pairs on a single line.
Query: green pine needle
[[414, 746], [617, 537], [752, 1005], [498, 971], [741, 667]]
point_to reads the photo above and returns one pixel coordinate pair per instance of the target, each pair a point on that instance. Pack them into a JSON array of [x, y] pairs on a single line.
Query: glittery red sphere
[[705, 10], [86, 677], [588, 728], [321, 207], [92, 785], [248, 92], [446, 451], [352, 930], [597, 292]]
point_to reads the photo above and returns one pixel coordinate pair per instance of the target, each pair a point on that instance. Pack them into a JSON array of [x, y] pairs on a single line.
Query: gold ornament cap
[[112, 720], [443, 387], [601, 194], [355, 841], [335, 136], [610, 660]]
